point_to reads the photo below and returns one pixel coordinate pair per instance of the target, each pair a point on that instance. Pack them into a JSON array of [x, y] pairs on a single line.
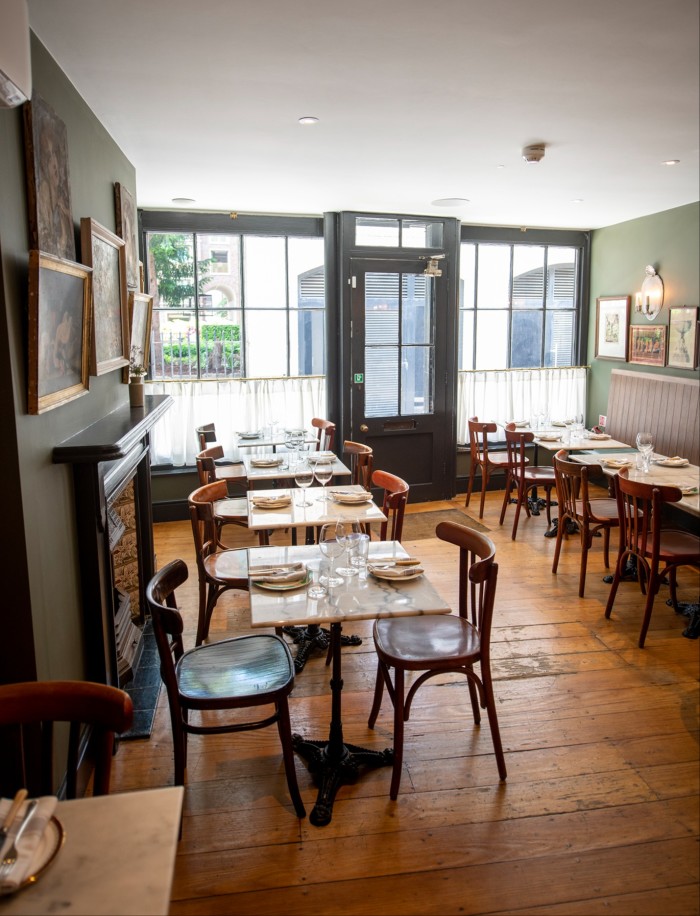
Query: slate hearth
[[145, 687]]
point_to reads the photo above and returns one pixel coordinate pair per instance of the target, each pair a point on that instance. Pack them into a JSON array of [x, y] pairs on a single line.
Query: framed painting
[[612, 322], [682, 337], [127, 228], [648, 344], [140, 312], [104, 252], [59, 331], [50, 213]]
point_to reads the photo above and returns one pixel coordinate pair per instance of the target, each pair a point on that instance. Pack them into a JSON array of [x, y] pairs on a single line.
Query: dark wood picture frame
[[59, 331], [104, 252], [127, 228], [50, 213], [648, 344], [140, 317], [682, 337], [611, 327]]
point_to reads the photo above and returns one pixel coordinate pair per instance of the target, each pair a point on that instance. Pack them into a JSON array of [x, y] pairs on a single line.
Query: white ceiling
[[416, 101]]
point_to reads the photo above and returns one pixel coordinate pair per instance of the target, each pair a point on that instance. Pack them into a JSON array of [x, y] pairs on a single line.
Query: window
[[519, 305], [236, 305], [388, 232]]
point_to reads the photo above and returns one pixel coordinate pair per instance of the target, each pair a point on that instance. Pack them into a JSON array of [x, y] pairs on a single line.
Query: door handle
[[364, 428]]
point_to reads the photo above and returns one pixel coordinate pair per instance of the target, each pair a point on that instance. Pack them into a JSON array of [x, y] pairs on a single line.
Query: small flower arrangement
[[136, 368]]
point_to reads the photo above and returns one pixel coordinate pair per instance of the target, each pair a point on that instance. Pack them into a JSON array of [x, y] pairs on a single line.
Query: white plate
[[352, 500], [273, 504], [249, 435], [321, 456], [380, 574], [598, 436], [266, 462], [546, 438], [47, 850], [670, 463], [283, 586], [617, 463]]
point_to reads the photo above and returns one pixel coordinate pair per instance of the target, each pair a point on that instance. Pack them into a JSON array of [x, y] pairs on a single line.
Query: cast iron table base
[[691, 610], [313, 637], [333, 762]]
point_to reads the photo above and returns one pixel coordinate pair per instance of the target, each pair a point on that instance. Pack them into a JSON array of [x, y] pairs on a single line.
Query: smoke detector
[[533, 153]]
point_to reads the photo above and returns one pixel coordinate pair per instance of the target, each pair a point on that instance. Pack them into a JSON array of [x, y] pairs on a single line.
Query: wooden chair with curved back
[[658, 551], [481, 459], [393, 504], [436, 645], [231, 509], [524, 477], [325, 437], [29, 712], [361, 461], [239, 673], [578, 511], [218, 570]]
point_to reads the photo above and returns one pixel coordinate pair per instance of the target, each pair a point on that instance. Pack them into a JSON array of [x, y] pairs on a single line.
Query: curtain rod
[[532, 369], [257, 378]]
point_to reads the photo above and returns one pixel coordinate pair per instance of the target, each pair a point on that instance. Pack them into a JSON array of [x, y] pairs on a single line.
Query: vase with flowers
[[137, 374]]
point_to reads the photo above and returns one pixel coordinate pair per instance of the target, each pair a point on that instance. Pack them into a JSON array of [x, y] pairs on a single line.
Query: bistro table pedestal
[[313, 637]]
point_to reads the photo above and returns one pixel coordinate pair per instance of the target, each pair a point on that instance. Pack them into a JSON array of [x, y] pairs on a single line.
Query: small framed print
[[104, 252], [612, 321], [59, 331], [140, 311], [648, 344], [682, 337], [127, 228]]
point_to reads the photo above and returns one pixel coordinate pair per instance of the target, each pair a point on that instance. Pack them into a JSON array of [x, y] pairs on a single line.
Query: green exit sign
[[359, 378]]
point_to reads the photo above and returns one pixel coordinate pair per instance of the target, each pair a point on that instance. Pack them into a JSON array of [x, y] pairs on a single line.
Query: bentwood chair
[[218, 570], [579, 511], [480, 458], [361, 461], [239, 673], [211, 465], [437, 645], [325, 436], [393, 504], [524, 478], [29, 714], [657, 551]]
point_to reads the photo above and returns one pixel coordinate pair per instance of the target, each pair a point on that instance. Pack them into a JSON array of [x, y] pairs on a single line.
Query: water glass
[[359, 552], [331, 546], [303, 478], [316, 589]]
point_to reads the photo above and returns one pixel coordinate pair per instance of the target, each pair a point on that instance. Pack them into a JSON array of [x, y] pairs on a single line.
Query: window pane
[[526, 341], [220, 344], [559, 339], [561, 278], [306, 273], [265, 273], [466, 339], [416, 380], [265, 344], [219, 270], [467, 258], [492, 340], [494, 277], [307, 342], [528, 277], [171, 269], [416, 310], [174, 346], [377, 231], [381, 382], [420, 234], [381, 308]]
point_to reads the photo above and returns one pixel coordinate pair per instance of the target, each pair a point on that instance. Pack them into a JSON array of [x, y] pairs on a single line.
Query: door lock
[[364, 428]]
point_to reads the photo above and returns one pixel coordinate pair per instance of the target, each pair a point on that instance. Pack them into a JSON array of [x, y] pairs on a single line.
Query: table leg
[[333, 762], [313, 637]]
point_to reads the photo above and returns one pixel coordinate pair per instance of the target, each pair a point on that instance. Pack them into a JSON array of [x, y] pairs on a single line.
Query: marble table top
[[317, 513]]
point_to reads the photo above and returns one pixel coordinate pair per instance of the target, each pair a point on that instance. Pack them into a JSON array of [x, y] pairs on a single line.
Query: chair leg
[[484, 484], [470, 484], [653, 583], [620, 565], [285, 731], [561, 530], [493, 720], [506, 498], [378, 694], [179, 751], [522, 496], [398, 733], [606, 547]]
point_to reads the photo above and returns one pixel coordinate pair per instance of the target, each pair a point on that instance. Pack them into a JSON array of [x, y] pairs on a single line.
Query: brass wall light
[[651, 297]]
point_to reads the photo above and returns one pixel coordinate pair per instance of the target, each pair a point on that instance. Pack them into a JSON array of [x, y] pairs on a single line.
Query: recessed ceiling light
[[449, 201], [500, 166], [671, 162], [577, 200], [183, 200], [308, 119]]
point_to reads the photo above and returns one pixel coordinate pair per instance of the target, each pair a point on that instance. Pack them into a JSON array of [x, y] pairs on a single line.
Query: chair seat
[[247, 666], [227, 565], [230, 509], [498, 460], [230, 471], [427, 642], [601, 509], [539, 475], [677, 545]]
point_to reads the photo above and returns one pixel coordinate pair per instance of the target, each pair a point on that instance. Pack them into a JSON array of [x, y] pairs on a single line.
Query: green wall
[[670, 242]]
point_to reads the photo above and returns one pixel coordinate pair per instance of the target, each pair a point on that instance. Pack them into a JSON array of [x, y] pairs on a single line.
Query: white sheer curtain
[[232, 405], [519, 394]]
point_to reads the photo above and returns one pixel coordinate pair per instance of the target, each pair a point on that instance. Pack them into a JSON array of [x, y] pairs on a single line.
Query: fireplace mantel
[[106, 457]]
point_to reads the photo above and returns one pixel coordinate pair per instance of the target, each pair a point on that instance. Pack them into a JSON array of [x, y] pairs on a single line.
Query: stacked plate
[[284, 577], [321, 456], [271, 502], [266, 462], [350, 497], [249, 435], [404, 570], [617, 462], [674, 462], [598, 436]]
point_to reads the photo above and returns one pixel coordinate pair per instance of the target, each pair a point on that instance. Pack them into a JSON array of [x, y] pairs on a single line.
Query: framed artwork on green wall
[[682, 337], [612, 321], [648, 344]]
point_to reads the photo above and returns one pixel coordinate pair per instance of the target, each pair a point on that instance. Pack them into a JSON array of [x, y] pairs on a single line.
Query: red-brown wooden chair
[[525, 478], [393, 504], [481, 458], [325, 437]]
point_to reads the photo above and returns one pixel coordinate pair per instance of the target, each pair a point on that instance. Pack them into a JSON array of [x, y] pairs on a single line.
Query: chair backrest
[[203, 517], [326, 434], [393, 504], [205, 435], [168, 625], [639, 507], [478, 439], [206, 463], [572, 485], [361, 462], [516, 444], [28, 712], [478, 574]]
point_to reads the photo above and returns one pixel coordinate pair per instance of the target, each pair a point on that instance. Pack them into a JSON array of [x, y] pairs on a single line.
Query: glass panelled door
[[398, 370]]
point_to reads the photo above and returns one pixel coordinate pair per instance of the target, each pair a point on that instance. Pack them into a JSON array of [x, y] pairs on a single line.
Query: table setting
[[30, 839]]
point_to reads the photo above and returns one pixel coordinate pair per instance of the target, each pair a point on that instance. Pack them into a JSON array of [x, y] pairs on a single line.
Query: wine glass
[[324, 472], [303, 478], [645, 444], [349, 537], [331, 548]]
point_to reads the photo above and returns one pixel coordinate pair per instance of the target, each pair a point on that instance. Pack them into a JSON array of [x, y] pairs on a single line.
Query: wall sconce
[[651, 297]]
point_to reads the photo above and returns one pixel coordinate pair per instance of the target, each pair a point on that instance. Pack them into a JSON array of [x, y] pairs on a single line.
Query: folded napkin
[[280, 577], [29, 858], [265, 462], [674, 460], [598, 436], [351, 496], [396, 561], [321, 456], [393, 571], [274, 568], [689, 491], [271, 502], [617, 462]]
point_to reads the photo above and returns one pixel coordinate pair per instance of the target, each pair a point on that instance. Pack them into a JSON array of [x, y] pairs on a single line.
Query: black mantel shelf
[[113, 436]]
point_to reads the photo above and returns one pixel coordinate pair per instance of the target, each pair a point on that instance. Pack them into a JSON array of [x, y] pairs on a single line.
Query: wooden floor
[[600, 810]]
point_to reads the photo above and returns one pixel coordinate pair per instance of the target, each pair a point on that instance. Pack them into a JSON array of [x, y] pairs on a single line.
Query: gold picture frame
[[104, 252], [140, 317], [127, 228], [648, 344], [59, 331]]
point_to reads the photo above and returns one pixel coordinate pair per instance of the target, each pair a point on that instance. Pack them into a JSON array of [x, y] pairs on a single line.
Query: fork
[[10, 857], [9, 820]]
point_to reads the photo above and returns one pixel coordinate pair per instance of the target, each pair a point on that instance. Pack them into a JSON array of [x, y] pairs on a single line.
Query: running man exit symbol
[[359, 378]]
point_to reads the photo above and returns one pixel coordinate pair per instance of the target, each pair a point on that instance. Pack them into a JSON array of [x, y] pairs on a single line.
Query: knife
[[11, 814]]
